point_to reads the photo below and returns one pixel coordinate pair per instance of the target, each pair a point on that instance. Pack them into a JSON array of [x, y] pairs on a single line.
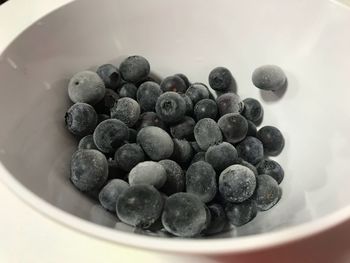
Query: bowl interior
[[308, 39]]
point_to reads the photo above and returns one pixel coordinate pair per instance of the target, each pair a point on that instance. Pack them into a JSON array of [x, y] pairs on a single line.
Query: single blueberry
[[128, 90], [173, 83], [197, 92], [134, 69], [183, 129], [195, 147], [110, 76], [234, 127], [199, 156], [239, 214], [267, 193], [229, 103], [183, 151], [104, 106], [148, 172], [150, 118], [251, 149], [171, 107], [81, 119], [201, 181], [248, 165], [253, 110], [86, 143], [89, 170], [221, 79], [148, 94], [272, 139], [205, 108], [237, 183], [272, 168], [175, 181], [269, 77], [189, 104], [87, 87], [132, 135], [129, 155], [127, 110], [221, 156], [184, 78], [207, 133], [140, 206], [184, 215], [218, 219], [110, 193], [252, 131], [110, 134]]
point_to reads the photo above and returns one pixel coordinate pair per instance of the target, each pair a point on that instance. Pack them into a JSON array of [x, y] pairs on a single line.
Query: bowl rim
[[185, 246]]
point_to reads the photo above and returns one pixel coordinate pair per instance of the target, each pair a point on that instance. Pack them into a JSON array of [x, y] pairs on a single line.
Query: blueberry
[[252, 131], [110, 76], [128, 90], [267, 193], [129, 155], [87, 87], [110, 193], [81, 119], [110, 134], [221, 156], [241, 213], [253, 111], [171, 107], [147, 95], [195, 147], [132, 135], [184, 215], [197, 92], [234, 127], [237, 183], [150, 118], [184, 78], [175, 181], [139, 206], [201, 181], [104, 106], [102, 117], [173, 83], [207, 133], [218, 219], [127, 110], [89, 170], [272, 168], [189, 104], [86, 143], [251, 149], [199, 156], [156, 143], [272, 139], [248, 165], [149, 172], [205, 108], [269, 77], [221, 79], [183, 129], [229, 103], [134, 69], [183, 151]]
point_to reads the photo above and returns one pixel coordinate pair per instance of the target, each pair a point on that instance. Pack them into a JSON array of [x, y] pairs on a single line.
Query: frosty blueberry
[[171, 107], [147, 95], [110, 76], [110, 193], [127, 110], [239, 214], [175, 181], [197, 92], [272, 168], [234, 127], [220, 79], [128, 90], [183, 129], [221, 156], [253, 111], [129, 155], [251, 149], [268, 192], [272, 139], [173, 83], [229, 103], [134, 69], [207, 133], [149, 172], [269, 77], [81, 119], [205, 108]]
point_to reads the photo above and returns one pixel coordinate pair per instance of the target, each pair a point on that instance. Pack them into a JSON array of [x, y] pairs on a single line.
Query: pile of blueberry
[[171, 154]]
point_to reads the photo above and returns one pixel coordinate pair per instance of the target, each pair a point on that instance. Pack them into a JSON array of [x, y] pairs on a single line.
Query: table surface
[[27, 236]]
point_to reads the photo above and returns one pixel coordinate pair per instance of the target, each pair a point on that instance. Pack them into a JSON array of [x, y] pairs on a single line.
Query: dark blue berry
[[140, 206], [272, 139], [197, 92], [81, 119], [253, 111], [234, 127], [183, 151], [110, 193], [229, 103], [201, 181], [128, 90], [149, 172], [183, 129], [175, 181], [239, 214], [184, 215], [110, 134], [104, 106], [89, 170], [129, 155], [86, 143], [189, 104], [218, 219], [252, 131], [267, 193], [269, 77], [251, 149], [110, 76], [221, 156], [148, 94], [127, 110], [205, 108], [171, 107], [150, 118], [237, 183], [207, 133], [134, 69], [221, 79], [87, 87], [155, 142], [199, 156], [184, 78], [173, 83], [272, 168]]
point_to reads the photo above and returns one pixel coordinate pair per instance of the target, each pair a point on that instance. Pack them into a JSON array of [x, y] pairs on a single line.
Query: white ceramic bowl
[[309, 39]]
